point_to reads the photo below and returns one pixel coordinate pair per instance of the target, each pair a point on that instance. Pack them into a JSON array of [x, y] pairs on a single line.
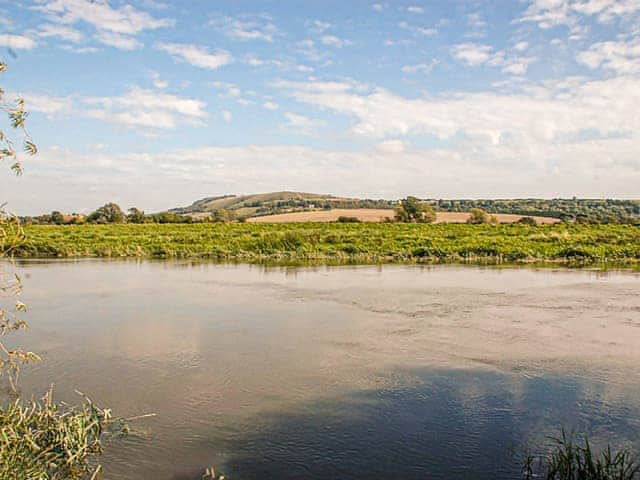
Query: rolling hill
[[277, 202], [323, 207]]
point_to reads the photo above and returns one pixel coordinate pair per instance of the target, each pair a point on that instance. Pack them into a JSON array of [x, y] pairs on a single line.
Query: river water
[[345, 372]]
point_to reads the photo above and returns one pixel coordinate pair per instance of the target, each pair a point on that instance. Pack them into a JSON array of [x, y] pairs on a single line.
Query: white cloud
[[378, 7], [425, 68], [121, 42], [47, 104], [606, 10], [158, 82], [521, 46], [300, 123], [550, 13], [17, 42], [231, 90], [621, 57], [473, 54], [125, 20], [477, 25], [77, 49], [319, 26], [417, 30], [196, 55], [270, 105], [69, 34], [511, 64], [146, 108], [259, 28], [519, 127], [415, 9], [227, 116], [334, 41], [115, 26], [391, 146]]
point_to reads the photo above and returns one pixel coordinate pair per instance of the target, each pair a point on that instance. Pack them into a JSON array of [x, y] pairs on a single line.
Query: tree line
[[113, 213]]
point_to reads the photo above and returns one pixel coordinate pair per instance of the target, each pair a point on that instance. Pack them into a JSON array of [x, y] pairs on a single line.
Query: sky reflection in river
[[348, 372]]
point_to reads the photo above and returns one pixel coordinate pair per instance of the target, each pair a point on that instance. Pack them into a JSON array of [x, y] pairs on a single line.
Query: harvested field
[[363, 214], [378, 215]]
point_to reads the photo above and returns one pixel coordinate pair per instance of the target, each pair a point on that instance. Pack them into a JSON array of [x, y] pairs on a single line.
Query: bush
[[528, 221], [344, 219], [412, 210], [478, 216]]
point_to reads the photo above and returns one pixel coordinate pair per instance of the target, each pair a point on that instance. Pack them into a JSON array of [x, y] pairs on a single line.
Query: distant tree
[[345, 219], [223, 215], [135, 215], [478, 216], [412, 210], [108, 213], [57, 217]]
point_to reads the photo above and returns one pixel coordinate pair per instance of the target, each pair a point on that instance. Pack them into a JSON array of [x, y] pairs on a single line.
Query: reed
[[570, 460]]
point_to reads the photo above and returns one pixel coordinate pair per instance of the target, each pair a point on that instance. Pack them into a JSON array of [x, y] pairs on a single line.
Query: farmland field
[[379, 215], [335, 242]]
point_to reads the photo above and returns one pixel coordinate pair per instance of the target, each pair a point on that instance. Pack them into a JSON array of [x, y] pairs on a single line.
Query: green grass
[[571, 460], [346, 242]]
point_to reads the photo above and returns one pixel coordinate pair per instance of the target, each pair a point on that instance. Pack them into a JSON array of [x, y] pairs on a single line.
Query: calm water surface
[[347, 372]]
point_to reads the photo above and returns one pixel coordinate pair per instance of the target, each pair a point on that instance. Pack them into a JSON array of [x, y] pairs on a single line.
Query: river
[[444, 372]]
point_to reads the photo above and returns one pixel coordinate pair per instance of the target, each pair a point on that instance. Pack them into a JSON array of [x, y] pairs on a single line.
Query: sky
[[155, 104]]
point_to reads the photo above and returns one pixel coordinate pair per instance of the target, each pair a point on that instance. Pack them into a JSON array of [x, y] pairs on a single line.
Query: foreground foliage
[[569, 460], [39, 440], [341, 242]]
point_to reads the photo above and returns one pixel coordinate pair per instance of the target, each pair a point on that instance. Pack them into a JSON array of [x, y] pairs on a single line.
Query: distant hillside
[[277, 202], [574, 209]]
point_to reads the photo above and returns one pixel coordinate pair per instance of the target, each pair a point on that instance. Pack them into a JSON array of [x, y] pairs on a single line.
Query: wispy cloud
[[17, 42], [231, 90], [335, 41], [64, 32], [424, 68], [146, 108], [473, 54], [252, 28], [196, 55], [621, 57], [121, 42], [115, 26], [418, 30]]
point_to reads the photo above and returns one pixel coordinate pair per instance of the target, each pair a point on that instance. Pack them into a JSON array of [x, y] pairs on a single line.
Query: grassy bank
[[357, 242]]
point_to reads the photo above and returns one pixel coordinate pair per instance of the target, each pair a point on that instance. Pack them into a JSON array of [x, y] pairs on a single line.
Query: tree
[[108, 213], [223, 215], [57, 217], [412, 210], [478, 216], [136, 216]]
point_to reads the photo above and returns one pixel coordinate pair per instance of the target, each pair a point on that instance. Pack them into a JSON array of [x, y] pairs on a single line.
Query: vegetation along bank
[[341, 242]]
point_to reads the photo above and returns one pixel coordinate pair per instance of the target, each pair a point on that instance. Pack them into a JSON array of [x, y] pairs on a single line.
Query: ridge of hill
[[597, 210], [277, 202]]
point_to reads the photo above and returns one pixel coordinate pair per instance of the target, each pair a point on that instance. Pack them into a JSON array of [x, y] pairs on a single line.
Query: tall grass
[[347, 242], [43, 440], [569, 460]]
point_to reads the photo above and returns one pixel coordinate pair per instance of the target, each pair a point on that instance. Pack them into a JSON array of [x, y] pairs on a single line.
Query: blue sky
[[156, 104]]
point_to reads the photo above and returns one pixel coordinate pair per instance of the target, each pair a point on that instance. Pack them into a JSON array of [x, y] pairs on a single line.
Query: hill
[[263, 204]]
